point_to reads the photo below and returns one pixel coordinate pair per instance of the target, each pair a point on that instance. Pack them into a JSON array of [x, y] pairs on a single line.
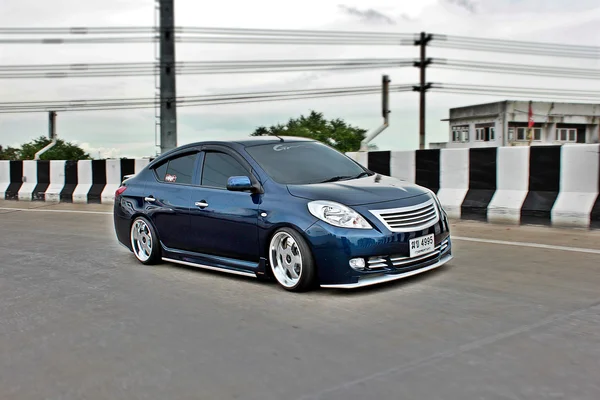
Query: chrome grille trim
[[408, 219]]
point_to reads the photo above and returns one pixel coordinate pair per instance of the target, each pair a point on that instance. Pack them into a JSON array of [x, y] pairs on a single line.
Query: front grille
[[408, 219], [402, 262]]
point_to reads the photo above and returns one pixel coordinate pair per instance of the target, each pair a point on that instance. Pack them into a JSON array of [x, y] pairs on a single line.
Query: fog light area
[[357, 264]]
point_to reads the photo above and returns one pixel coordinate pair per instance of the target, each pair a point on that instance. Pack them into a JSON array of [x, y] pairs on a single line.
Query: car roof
[[244, 142]]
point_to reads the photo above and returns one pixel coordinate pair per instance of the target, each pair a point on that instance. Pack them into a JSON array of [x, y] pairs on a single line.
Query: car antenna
[[280, 139]]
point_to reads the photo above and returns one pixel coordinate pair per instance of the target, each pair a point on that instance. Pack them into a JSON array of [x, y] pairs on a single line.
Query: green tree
[[336, 132], [60, 151], [9, 153]]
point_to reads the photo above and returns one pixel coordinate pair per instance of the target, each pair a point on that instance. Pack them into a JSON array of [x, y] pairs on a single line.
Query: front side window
[[218, 167], [304, 163]]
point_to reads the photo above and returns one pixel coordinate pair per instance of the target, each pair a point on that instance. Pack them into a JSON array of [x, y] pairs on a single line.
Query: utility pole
[[423, 86], [51, 125], [168, 94], [51, 135], [385, 111]]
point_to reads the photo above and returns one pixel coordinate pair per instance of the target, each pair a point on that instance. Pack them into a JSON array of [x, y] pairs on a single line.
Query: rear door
[[167, 198], [223, 222]]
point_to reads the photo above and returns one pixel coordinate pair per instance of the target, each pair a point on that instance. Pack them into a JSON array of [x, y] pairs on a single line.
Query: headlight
[[337, 214]]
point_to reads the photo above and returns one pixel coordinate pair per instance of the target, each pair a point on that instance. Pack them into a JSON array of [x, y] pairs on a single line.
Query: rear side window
[[161, 171], [218, 167], [177, 170]]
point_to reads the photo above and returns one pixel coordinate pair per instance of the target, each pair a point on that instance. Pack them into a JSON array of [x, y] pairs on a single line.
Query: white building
[[505, 124]]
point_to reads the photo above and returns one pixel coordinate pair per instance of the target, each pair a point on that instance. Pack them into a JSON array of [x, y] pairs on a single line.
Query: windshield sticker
[[281, 147], [170, 178]]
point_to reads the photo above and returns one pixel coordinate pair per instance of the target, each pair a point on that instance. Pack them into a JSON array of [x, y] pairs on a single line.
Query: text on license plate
[[421, 245]]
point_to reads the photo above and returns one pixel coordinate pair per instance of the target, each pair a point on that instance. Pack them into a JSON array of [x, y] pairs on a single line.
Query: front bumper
[[382, 278], [385, 251]]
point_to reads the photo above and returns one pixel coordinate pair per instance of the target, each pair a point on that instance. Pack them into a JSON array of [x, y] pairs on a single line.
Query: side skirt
[[214, 263], [229, 271]]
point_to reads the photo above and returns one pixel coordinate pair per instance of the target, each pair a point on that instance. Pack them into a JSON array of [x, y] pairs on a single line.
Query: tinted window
[[218, 167], [303, 162], [161, 171], [180, 169]]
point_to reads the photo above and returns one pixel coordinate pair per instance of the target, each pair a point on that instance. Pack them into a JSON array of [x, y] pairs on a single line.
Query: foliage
[[9, 153], [61, 151], [336, 132]]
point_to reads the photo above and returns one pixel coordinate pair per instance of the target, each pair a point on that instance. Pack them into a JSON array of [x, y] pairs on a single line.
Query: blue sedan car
[[292, 209]]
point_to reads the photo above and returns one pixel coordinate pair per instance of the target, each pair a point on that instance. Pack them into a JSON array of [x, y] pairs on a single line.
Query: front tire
[[144, 241], [291, 261]]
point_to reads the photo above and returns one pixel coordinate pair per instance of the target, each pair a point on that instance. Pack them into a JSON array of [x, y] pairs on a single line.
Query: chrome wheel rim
[[141, 240], [285, 259]]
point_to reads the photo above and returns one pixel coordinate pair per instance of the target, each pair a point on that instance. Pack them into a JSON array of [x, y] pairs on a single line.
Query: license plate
[[421, 245]]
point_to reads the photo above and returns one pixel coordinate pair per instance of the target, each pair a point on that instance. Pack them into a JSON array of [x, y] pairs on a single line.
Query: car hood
[[368, 190]]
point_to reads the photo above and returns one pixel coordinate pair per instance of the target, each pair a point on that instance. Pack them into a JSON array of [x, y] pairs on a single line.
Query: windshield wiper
[[345, 177], [336, 178]]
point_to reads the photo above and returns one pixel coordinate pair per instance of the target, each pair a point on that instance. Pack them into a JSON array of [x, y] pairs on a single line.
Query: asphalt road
[[81, 319]]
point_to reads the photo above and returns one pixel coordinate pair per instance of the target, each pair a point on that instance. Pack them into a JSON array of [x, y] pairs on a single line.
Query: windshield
[[304, 163]]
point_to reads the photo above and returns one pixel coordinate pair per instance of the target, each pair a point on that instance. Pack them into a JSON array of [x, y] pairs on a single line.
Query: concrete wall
[[90, 181], [553, 185], [549, 185]]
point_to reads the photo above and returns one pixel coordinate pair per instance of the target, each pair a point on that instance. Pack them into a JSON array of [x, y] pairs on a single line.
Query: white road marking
[[521, 244], [57, 211]]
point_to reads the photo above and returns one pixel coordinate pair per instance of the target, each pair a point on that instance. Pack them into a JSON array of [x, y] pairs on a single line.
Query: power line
[[515, 43], [200, 100], [215, 40], [505, 91], [515, 47], [524, 69], [254, 97], [204, 30], [193, 67]]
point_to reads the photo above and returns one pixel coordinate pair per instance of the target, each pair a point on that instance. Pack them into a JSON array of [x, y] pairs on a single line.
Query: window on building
[[522, 134], [218, 167], [484, 133], [566, 135], [460, 133], [456, 136], [479, 134]]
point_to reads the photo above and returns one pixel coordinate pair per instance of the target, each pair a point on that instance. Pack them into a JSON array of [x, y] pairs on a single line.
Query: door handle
[[149, 199], [201, 204]]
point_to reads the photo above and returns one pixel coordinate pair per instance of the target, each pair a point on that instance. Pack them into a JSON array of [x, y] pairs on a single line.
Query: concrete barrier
[[513, 185], [4, 177], [86, 181], [551, 185], [454, 180], [579, 180], [29, 180], [57, 181]]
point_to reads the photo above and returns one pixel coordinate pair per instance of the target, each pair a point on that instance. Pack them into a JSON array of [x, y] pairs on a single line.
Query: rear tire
[[291, 261], [144, 241]]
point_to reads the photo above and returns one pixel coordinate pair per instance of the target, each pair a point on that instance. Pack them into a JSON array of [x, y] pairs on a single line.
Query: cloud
[[466, 4], [133, 131], [369, 15]]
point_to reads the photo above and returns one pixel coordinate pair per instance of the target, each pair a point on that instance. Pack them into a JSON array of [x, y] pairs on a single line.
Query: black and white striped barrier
[[557, 185], [90, 181]]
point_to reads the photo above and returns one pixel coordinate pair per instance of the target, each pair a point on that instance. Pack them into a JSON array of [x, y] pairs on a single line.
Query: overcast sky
[[131, 133]]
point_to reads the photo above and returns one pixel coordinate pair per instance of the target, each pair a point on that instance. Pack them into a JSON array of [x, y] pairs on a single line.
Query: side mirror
[[239, 184]]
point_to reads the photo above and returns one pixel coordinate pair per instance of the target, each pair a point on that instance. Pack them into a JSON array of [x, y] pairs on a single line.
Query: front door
[[224, 223]]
